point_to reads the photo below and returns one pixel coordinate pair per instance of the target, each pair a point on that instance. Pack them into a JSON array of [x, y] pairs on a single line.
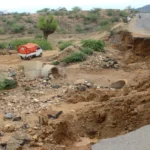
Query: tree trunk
[[46, 35]]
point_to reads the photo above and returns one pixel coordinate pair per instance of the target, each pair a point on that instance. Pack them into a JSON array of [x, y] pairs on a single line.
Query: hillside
[[144, 9], [69, 22]]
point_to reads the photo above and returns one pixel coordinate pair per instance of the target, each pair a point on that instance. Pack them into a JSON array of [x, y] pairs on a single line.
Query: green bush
[[87, 50], [29, 20], [70, 16], [56, 62], [124, 19], [96, 10], [7, 84], [123, 14], [4, 19], [44, 44], [2, 31], [86, 22], [76, 9], [82, 15], [79, 28], [30, 31], [39, 36], [92, 17], [10, 22], [87, 28], [74, 57], [24, 14], [114, 19], [17, 28], [77, 16], [63, 45], [3, 45], [104, 23], [62, 31], [96, 45], [110, 12], [103, 28]]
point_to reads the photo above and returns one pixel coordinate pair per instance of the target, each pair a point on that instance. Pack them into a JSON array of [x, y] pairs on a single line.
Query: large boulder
[[32, 69]]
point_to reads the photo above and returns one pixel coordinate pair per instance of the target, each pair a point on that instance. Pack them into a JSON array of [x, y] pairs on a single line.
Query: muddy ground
[[66, 113]]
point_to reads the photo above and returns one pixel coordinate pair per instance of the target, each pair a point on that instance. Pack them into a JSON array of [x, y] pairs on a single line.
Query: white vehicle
[[29, 50]]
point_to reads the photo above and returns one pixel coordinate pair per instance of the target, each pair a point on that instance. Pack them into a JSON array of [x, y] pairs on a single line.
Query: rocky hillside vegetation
[[74, 21]]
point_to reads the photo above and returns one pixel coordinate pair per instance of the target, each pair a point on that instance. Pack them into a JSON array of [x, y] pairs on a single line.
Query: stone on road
[[136, 140]]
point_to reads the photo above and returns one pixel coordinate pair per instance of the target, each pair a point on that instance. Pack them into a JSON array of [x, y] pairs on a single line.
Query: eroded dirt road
[[89, 112], [14, 59]]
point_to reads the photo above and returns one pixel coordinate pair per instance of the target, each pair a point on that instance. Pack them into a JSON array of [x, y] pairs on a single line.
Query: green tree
[[43, 10], [76, 9], [47, 24]]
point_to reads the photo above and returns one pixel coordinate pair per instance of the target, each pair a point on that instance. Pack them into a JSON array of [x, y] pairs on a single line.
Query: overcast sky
[[34, 5]]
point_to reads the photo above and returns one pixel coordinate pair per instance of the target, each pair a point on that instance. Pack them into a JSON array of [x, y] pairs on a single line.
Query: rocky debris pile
[[11, 116], [104, 110], [30, 100], [110, 63], [83, 85], [93, 62], [15, 142], [97, 62], [106, 113]]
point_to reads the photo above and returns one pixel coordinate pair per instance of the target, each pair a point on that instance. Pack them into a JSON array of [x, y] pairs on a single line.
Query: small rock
[[9, 128], [65, 91], [25, 126], [35, 137], [55, 115], [89, 84], [80, 81], [25, 141], [17, 118], [3, 145], [82, 88], [9, 116], [60, 147], [36, 100], [55, 86], [1, 133], [33, 144], [44, 81]]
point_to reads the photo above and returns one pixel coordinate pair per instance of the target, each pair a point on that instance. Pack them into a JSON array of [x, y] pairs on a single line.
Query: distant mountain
[[144, 9], [1, 12]]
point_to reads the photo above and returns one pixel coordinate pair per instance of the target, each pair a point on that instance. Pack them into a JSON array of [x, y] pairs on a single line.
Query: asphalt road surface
[[140, 26], [143, 22], [136, 140]]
